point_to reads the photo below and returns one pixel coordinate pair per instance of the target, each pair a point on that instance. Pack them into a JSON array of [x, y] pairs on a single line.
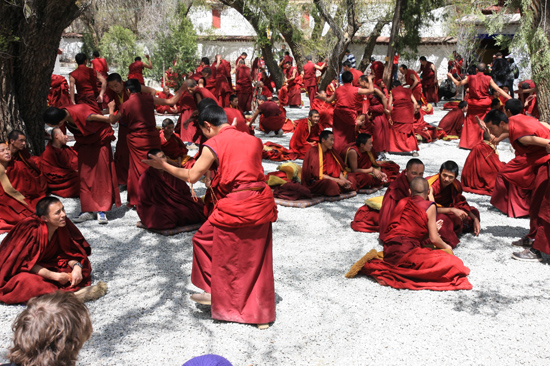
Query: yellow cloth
[[375, 202], [273, 180]]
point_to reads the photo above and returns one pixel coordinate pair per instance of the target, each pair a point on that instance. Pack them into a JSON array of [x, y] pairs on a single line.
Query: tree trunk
[[26, 65], [396, 23], [273, 66], [365, 61]]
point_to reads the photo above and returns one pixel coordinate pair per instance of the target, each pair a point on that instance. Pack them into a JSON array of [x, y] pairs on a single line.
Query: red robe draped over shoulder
[[232, 251], [60, 166], [98, 180], [233, 114], [314, 168], [27, 245], [402, 137], [244, 87], [58, 95], [173, 147], [23, 179], [12, 211], [165, 202], [481, 168], [452, 122], [479, 103], [429, 83], [380, 124], [135, 71], [345, 114], [305, 136], [85, 85], [163, 109]]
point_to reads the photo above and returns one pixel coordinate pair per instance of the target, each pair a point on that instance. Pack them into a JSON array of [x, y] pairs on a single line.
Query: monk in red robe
[[234, 115], [403, 106], [361, 160], [34, 185], [223, 80], [165, 201], [271, 118], [346, 66], [116, 90], [165, 94], [407, 264], [209, 74], [345, 111], [193, 95], [84, 80], [306, 134], [138, 112], [173, 146], [530, 138], [14, 207], [59, 163], [482, 165], [99, 64], [310, 80], [378, 114], [376, 70], [429, 81], [324, 172], [370, 220], [447, 193], [232, 257], [244, 86], [135, 70], [44, 253], [58, 95], [93, 134], [479, 103], [453, 121], [413, 81], [293, 81]]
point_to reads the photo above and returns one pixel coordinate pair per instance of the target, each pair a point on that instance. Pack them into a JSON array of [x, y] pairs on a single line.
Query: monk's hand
[[76, 276], [384, 177], [111, 106], [234, 122], [460, 213], [154, 161], [99, 98], [439, 224], [390, 121], [62, 278], [477, 227], [548, 148], [321, 95]]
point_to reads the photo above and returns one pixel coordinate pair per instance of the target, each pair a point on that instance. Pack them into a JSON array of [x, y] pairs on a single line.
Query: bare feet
[[205, 298]]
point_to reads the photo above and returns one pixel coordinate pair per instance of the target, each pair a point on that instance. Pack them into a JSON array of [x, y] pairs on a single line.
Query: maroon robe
[[232, 251], [479, 103], [85, 85], [271, 118], [186, 106], [165, 202], [481, 168], [58, 95], [380, 124], [512, 192], [367, 160], [60, 166], [174, 147], [223, 83], [24, 180], [233, 114], [294, 87], [98, 180], [12, 211], [377, 70], [27, 245], [305, 136], [332, 166], [163, 109], [429, 83], [345, 114], [244, 87], [310, 80], [402, 137], [417, 91], [135, 71], [452, 122], [122, 155]]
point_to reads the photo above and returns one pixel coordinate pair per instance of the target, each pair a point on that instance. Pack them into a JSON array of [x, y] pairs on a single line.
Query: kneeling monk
[[42, 254], [164, 201], [323, 172], [232, 258], [409, 265]]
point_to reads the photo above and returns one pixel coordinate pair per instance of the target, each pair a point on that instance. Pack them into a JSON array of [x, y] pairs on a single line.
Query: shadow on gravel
[[505, 231], [490, 302]]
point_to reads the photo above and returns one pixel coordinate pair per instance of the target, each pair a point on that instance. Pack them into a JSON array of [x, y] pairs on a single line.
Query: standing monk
[[293, 83], [346, 66], [413, 80], [84, 80], [310, 80], [244, 86], [429, 80], [93, 134], [530, 138], [59, 163], [223, 80], [135, 70], [232, 257], [376, 70], [139, 113], [479, 103], [403, 106], [345, 113], [99, 64]]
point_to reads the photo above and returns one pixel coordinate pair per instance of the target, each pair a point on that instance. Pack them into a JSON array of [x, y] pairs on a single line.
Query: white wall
[[70, 46]]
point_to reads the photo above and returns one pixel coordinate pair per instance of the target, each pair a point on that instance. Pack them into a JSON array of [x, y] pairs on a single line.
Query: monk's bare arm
[[148, 90], [352, 163], [455, 211], [369, 90], [323, 96], [534, 140], [150, 65], [502, 137], [60, 277], [72, 82], [499, 90], [192, 175], [416, 107], [103, 86], [458, 83], [415, 81], [172, 100], [253, 118], [477, 224], [432, 229], [8, 188]]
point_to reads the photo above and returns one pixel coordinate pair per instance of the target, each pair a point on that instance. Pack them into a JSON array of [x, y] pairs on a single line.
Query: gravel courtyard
[[322, 317]]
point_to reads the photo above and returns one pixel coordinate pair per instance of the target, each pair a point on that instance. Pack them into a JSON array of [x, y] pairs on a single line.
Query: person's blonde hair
[[50, 331]]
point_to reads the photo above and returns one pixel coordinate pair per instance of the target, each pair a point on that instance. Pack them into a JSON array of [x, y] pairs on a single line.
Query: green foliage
[[87, 45], [6, 38], [178, 43], [119, 47]]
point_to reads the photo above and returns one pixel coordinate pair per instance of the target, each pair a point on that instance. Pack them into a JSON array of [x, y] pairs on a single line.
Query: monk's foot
[[130, 206], [91, 293], [83, 216], [102, 218], [280, 133], [271, 133], [524, 242], [415, 154], [528, 255], [262, 326], [204, 299]]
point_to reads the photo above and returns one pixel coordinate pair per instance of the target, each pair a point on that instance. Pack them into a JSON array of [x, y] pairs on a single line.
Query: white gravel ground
[[322, 317]]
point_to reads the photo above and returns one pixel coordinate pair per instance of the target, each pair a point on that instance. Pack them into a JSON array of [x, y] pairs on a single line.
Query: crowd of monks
[[343, 144]]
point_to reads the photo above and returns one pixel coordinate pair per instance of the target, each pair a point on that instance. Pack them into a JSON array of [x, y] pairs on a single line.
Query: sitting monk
[[23, 161], [271, 120], [165, 201], [234, 115], [13, 205], [306, 134], [172, 145], [359, 158], [406, 263], [447, 193], [323, 172], [45, 253], [370, 220], [165, 109], [454, 120], [59, 163]]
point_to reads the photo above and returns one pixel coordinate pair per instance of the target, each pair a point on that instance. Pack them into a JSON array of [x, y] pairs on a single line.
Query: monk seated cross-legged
[[45, 253], [173, 146], [234, 115], [323, 172], [14, 207], [306, 134], [59, 163], [165, 201], [406, 263], [447, 193]]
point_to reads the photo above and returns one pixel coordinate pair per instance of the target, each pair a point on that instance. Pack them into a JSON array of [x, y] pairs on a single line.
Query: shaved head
[[420, 187]]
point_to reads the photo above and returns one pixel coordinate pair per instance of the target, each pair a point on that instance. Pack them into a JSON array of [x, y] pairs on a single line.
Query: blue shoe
[[102, 218]]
